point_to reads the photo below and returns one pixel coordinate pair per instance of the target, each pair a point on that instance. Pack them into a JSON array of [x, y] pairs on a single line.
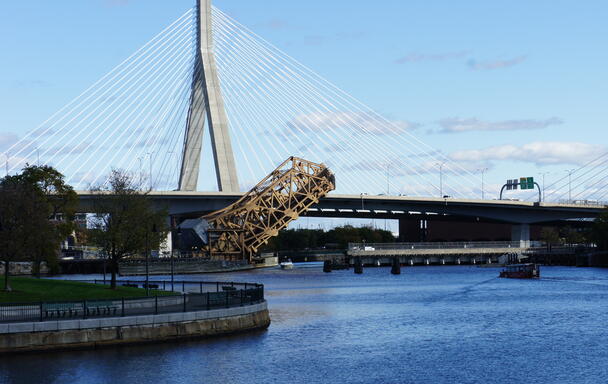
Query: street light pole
[[388, 167], [147, 264], [140, 158], [543, 175], [570, 172], [150, 154], [483, 171], [441, 178], [179, 235]]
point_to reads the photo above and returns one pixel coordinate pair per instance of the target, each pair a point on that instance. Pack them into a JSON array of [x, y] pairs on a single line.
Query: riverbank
[[95, 333], [27, 290], [97, 316]]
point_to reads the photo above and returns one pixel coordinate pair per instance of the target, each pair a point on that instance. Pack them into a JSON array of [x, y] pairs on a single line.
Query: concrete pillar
[[358, 265], [207, 96], [167, 247], [521, 233], [410, 231], [396, 266]]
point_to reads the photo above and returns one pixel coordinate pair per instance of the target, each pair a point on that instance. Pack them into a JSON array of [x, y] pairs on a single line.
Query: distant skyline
[[518, 87]]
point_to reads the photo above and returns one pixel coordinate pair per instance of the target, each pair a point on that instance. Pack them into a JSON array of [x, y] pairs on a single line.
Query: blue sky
[[520, 87]]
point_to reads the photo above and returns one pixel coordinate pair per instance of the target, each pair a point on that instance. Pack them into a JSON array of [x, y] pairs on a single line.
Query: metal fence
[[193, 296], [438, 245]]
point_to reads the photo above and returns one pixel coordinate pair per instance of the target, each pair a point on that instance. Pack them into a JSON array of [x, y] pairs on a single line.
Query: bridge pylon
[[206, 101]]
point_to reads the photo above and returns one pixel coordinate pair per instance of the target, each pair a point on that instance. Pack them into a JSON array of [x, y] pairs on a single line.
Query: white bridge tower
[[206, 101]]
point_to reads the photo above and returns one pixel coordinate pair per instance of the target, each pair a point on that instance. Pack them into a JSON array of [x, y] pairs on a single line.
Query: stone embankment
[[23, 268], [180, 267], [92, 333]]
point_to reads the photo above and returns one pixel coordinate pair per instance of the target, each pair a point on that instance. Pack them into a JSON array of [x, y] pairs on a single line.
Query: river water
[[428, 325]]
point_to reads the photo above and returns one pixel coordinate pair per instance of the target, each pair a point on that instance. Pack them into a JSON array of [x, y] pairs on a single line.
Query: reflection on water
[[427, 325]]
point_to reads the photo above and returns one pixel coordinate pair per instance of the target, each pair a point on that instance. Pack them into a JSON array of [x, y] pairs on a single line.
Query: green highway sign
[[526, 183]]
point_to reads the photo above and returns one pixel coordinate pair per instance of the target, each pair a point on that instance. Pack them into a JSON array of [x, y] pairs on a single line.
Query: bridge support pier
[[412, 230], [396, 266], [521, 233], [358, 265]]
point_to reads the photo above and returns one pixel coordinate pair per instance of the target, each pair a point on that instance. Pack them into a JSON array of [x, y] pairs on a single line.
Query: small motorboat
[[521, 271], [286, 264]]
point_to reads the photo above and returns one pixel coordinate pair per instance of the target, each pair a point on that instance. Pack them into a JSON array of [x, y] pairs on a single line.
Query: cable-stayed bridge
[[208, 105], [138, 117]]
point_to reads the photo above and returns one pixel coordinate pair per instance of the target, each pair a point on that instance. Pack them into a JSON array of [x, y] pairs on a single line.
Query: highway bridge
[[519, 214], [194, 204]]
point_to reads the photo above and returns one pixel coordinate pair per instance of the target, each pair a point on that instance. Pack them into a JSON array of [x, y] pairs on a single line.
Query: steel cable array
[[134, 119]]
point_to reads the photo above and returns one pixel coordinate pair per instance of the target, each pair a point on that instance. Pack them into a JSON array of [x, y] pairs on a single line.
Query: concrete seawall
[[181, 267], [92, 333]]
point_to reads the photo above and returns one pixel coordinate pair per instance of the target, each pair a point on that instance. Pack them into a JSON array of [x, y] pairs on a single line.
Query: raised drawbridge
[[238, 231]]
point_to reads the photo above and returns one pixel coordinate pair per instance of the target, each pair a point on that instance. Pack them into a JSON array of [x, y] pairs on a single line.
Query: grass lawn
[[26, 289]]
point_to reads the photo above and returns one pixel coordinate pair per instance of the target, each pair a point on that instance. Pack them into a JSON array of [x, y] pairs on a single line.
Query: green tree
[[599, 232], [23, 214], [292, 239], [61, 201], [125, 222], [550, 236]]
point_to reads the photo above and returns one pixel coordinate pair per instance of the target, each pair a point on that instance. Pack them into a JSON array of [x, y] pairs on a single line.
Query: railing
[[438, 245], [196, 296], [583, 202], [183, 259]]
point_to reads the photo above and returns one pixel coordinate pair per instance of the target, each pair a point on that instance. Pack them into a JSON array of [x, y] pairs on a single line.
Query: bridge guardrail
[[439, 245], [195, 296]]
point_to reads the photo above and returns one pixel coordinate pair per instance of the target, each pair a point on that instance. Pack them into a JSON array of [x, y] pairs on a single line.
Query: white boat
[[286, 264]]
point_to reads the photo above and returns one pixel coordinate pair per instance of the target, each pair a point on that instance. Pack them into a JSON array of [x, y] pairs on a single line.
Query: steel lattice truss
[[239, 230]]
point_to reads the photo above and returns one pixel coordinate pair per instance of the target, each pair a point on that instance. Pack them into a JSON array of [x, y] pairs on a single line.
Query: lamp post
[[388, 185], [570, 172], [147, 264], [483, 171], [140, 158], [388, 188], [543, 176], [150, 154], [362, 207], [441, 178], [179, 235], [148, 252]]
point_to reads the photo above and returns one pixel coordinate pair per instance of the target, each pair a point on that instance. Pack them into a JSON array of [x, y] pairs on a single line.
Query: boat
[[286, 264], [521, 271]]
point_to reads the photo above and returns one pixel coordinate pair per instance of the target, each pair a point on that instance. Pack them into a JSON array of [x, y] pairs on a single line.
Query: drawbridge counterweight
[[238, 231]]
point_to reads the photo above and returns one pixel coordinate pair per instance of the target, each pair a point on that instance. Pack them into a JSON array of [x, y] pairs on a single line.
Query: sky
[[517, 87]]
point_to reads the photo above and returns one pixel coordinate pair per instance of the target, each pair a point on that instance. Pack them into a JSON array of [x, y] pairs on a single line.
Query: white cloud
[[458, 125], [495, 64], [539, 153]]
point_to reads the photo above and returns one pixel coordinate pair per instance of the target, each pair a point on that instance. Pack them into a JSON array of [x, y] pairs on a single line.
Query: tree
[[550, 236], [23, 213], [292, 239], [573, 236], [61, 201], [125, 223], [599, 232]]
